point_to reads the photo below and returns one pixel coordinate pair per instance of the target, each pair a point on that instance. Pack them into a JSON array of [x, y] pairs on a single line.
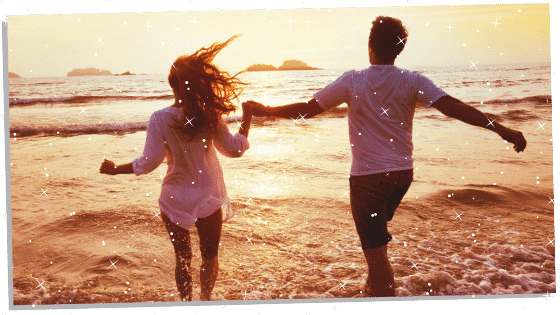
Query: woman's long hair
[[205, 93]]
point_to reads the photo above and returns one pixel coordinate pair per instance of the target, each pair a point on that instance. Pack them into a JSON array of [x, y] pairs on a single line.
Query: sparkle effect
[[99, 40], [83, 110], [239, 124], [385, 111], [449, 27], [40, 284], [473, 65], [189, 121], [290, 21], [541, 125], [547, 296], [156, 214], [148, 26], [194, 22], [301, 117], [341, 285], [112, 264], [171, 63], [458, 216], [44, 192], [249, 240], [495, 23], [551, 200]]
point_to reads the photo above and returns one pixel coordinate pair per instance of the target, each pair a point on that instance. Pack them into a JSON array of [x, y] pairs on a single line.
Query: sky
[[45, 45]]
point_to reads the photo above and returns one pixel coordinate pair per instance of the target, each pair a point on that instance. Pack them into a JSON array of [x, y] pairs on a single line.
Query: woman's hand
[[247, 110], [259, 110], [108, 167], [247, 117]]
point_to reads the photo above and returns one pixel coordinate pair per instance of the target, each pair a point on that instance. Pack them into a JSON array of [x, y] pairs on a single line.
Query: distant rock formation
[[13, 75], [295, 65], [261, 67], [126, 73], [88, 71], [287, 65]]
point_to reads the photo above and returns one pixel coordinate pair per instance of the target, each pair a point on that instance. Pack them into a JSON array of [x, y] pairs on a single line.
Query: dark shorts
[[374, 199]]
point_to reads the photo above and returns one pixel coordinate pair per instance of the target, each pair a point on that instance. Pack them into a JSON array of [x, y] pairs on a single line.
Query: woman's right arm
[[231, 145], [108, 167], [247, 117]]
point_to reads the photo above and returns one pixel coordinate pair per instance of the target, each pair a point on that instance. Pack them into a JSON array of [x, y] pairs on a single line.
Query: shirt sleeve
[[427, 92], [227, 144], [335, 93], [154, 150]]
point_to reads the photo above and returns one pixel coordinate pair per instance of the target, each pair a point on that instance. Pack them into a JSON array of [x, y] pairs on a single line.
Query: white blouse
[[194, 185]]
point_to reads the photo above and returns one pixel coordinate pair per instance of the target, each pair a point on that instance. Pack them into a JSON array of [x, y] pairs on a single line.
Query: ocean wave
[[532, 100], [108, 128], [82, 99], [545, 100], [67, 131], [485, 195]]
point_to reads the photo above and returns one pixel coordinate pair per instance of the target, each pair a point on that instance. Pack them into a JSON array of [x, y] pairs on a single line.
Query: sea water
[[477, 220]]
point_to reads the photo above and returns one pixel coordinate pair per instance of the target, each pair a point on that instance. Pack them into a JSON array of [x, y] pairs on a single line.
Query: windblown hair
[[387, 38], [205, 93]]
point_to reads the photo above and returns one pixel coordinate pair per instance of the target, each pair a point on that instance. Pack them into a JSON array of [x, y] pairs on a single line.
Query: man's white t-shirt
[[381, 102], [194, 185]]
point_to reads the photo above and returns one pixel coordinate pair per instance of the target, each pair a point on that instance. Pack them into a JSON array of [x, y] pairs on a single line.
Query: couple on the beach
[[381, 102]]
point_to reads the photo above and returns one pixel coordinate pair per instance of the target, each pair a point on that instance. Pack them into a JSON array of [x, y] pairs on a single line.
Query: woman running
[[193, 192]]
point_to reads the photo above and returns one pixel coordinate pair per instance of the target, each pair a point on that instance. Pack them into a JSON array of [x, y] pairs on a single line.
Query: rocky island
[[287, 65], [13, 75], [125, 73], [87, 71]]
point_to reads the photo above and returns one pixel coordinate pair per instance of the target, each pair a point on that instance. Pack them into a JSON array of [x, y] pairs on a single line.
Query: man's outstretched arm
[[454, 108], [294, 111]]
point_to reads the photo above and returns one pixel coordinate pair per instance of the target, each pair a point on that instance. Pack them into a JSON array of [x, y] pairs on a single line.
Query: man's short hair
[[387, 38]]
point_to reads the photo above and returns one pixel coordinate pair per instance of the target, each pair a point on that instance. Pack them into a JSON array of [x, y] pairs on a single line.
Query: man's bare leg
[[381, 279], [208, 275]]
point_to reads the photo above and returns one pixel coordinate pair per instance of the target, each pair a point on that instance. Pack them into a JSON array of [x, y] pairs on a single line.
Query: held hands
[[247, 110], [108, 167], [247, 117], [259, 110]]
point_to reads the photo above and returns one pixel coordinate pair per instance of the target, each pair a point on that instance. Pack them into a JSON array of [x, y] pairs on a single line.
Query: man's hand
[[515, 137], [108, 167]]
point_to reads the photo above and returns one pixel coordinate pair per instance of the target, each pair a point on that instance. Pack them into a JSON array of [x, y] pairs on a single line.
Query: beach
[[477, 220]]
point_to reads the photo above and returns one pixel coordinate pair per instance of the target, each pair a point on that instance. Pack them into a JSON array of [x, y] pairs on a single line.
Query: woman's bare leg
[[208, 275], [209, 231]]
